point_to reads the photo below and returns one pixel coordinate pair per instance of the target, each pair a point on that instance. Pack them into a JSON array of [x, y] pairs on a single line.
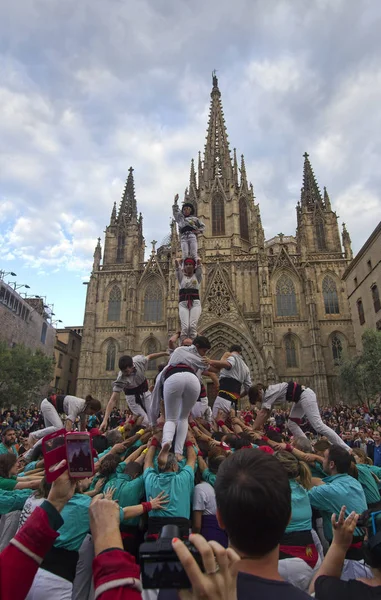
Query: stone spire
[[244, 186], [217, 161], [200, 170], [113, 215], [235, 167], [327, 201], [310, 194], [347, 243], [192, 177], [127, 209], [97, 256]]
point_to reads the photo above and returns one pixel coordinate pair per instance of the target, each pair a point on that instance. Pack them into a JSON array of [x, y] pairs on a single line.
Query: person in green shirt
[[8, 475], [8, 445]]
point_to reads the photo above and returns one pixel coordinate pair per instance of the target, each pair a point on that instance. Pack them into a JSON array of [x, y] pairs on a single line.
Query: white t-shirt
[[239, 371], [29, 506], [74, 407], [204, 498], [274, 393], [132, 381]]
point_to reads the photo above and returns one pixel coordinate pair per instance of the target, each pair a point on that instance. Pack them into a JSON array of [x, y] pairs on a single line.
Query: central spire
[[217, 161], [310, 191], [128, 209]]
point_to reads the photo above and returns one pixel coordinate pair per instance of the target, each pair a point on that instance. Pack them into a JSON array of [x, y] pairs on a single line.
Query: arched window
[[110, 356], [331, 302], [44, 331], [151, 348], [218, 215], [285, 297], [360, 310], [243, 222], [376, 298], [291, 356], [114, 304], [337, 348], [320, 233], [120, 248], [153, 303]]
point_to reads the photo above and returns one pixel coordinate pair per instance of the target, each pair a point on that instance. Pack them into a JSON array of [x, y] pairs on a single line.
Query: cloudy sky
[[89, 88]]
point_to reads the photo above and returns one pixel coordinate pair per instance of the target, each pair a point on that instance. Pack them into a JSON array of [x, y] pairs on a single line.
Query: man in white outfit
[[234, 375], [305, 404], [189, 279], [133, 382]]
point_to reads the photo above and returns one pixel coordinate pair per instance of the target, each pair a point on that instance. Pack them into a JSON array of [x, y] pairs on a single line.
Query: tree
[[361, 376], [22, 374]]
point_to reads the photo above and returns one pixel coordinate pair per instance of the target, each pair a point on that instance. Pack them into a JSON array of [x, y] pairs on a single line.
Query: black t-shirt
[[251, 586], [328, 588]]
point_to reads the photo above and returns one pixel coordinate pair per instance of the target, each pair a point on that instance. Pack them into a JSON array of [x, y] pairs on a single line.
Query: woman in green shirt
[[8, 475]]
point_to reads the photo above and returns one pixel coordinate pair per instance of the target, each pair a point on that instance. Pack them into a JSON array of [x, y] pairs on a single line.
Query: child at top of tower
[[190, 226]]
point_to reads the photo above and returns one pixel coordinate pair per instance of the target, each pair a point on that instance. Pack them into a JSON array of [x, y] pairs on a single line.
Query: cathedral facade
[[282, 300]]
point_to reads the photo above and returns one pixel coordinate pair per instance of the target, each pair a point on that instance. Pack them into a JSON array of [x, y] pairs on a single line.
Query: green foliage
[[22, 374], [361, 376]]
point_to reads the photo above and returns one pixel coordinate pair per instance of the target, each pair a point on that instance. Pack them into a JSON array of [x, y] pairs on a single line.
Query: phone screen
[[168, 574], [79, 455], [54, 443]]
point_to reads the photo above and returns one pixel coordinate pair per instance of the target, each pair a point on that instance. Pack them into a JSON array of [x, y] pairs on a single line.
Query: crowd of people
[[267, 498]]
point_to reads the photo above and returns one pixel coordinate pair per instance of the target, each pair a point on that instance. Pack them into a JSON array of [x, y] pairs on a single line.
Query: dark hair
[[189, 205], [201, 342], [254, 393], [274, 436], [235, 348], [92, 403], [133, 469], [43, 489], [108, 465], [100, 443], [7, 461], [7, 429], [322, 445], [214, 462], [341, 458], [254, 500], [125, 361]]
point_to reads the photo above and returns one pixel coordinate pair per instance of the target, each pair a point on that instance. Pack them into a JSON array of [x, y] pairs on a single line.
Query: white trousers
[[221, 404], [46, 585], [308, 406], [9, 525], [180, 392], [83, 588], [297, 572], [137, 410], [189, 245], [189, 319]]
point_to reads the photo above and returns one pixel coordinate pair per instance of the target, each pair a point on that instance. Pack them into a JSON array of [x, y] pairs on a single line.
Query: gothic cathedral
[[282, 300]]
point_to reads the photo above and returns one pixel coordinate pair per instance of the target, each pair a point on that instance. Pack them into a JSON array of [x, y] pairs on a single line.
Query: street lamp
[[4, 273], [17, 287], [57, 321]]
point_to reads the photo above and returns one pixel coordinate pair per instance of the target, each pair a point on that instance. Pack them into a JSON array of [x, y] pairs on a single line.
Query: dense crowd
[[271, 510]]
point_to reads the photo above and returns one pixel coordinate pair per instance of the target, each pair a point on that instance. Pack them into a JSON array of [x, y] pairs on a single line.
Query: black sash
[[178, 369], [186, 228], [61, 562], [138, 392], [188, 295], [294, 391], [228, 384], [57, 402]]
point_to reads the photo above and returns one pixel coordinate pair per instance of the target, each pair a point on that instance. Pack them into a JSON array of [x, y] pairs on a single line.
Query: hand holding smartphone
[[75, 447]]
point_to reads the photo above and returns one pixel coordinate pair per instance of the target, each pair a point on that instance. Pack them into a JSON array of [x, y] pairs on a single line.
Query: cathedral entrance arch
[[223, 335]]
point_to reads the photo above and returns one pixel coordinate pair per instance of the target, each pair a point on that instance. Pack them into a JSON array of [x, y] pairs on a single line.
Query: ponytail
[[305, 478], [92, 403]]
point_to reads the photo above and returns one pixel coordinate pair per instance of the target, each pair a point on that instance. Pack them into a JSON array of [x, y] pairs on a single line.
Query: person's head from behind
[[295, 469], [236, 348], [303, 444], [8, 465], [360, 456], [9, 437], [372, 543], [109, 465], [92, 405], [187, 342], [202, 344], [256, 393], [133, 469], [114, 437], [126, 365], [253, 501], [214, 462], [171, 466], [321, 446], [336, 460]]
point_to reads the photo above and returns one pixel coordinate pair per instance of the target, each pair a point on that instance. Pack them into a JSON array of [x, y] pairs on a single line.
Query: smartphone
[[54, 451], [79, 454]]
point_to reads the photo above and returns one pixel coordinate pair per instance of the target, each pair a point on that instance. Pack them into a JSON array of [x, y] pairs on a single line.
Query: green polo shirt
[[8, 483], [317, 470], [179, 487], [5, 449], [209, 477], [129, 492], [14, 500], [369, 484], [301, 512], [337, 491]]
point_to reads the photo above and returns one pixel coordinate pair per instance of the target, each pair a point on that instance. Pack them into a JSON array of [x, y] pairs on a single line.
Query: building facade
[[363, 280], [282, 300], [25, 321], [67, 349]]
